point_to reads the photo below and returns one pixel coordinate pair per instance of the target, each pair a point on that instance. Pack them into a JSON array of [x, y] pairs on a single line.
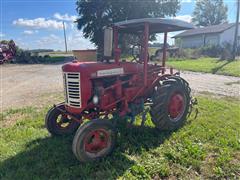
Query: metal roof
[[156, 25], [205, 30]]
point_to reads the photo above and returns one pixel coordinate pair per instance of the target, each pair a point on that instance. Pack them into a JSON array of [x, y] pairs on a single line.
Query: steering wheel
[[136, 50], [136, 53]]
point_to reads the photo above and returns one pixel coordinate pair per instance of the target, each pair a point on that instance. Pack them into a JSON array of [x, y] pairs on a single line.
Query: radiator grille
[[72, 89]]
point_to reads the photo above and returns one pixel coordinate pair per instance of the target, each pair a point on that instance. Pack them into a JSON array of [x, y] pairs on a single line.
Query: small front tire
[[58, 123], [94, 140]]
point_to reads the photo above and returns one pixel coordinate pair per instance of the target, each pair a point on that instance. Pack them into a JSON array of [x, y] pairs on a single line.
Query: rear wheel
[[58, 123], [94, 140], [171, 104]]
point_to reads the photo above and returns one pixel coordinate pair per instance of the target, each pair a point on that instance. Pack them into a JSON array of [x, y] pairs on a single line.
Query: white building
[[210, 35]]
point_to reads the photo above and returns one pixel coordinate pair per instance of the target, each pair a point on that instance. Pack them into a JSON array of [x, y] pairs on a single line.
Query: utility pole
[[236, 30], [65, 39]]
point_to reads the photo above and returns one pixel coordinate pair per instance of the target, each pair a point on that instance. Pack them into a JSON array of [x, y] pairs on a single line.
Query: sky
[[37, 24]]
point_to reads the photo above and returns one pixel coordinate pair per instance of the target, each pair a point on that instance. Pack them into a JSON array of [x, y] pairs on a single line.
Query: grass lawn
[[209, 65], [207, 147], [53, 59]]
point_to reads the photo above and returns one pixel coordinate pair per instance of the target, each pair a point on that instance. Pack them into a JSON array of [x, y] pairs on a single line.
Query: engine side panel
[[92, 72]]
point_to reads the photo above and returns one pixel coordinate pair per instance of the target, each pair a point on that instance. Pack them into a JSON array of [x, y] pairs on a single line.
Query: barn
[[210, 35]]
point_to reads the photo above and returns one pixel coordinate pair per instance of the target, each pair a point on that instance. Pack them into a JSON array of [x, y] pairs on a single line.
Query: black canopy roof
[[156, 25]]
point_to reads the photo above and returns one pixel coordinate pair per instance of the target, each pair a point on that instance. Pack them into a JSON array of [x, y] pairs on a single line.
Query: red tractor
[[7, 51], [97, 92]]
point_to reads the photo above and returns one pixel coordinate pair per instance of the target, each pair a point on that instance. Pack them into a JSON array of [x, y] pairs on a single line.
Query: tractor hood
[[100, 69]]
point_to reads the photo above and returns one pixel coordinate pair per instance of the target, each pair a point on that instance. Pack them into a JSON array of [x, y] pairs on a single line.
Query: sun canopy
[[156, 25]]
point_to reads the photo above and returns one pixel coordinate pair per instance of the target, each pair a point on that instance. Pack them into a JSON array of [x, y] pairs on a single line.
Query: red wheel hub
[[176, 105], [96, 141]]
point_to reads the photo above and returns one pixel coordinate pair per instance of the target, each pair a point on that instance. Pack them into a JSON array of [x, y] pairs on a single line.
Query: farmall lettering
[[110, 72]]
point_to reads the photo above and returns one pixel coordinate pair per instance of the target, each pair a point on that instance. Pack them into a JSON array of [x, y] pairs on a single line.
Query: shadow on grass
[[52, 157], [216, 69]]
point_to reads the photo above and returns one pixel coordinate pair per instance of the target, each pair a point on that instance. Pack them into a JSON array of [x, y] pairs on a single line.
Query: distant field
[[205, 148], [208, 65], [55, 57], [56, 54]]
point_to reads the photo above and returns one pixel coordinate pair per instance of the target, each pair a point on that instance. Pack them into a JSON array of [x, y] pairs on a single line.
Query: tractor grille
[[72, 89]]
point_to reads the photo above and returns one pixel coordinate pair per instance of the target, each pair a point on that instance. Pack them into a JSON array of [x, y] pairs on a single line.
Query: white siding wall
[[212, 39], [228, 35], [198, 40], [192, 41]]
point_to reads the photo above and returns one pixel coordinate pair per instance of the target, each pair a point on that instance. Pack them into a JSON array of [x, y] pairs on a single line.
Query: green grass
[[208, 65], [206, 147], [53, 59]]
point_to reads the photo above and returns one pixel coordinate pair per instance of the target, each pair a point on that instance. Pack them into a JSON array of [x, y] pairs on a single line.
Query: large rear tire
[[58, 123], [94, 140], [171, 102]]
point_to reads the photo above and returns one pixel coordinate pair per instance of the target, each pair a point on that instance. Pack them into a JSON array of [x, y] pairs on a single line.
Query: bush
[[46, 56], [25, 57], [189, 53], [211, 50], [223, 52], [226, 52]]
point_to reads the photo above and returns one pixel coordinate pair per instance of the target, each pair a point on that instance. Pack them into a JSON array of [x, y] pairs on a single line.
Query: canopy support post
[[164, 52], [145, 51], [117, 52]]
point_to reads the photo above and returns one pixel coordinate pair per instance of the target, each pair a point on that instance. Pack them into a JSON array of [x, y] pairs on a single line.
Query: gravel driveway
[[27, 85], [212, 83]]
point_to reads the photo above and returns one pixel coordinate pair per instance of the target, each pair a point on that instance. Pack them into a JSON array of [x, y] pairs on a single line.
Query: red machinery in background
[[100, 91], [7, 51]]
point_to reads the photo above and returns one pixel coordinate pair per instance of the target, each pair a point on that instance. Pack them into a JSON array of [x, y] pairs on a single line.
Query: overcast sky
[[37, 24]]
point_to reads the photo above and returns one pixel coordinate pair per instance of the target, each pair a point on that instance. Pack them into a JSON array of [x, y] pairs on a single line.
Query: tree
[[209, 12], [95, 14], [4, 41]]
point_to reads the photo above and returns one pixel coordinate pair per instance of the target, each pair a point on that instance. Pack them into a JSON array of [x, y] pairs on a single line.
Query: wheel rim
[[63, 121], [176, 106], [96, 141]]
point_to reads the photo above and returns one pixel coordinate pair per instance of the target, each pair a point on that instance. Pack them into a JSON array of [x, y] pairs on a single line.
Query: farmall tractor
[[97, 92], [7, 51]]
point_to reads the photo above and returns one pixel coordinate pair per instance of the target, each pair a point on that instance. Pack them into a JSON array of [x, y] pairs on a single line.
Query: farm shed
[[210, 35]]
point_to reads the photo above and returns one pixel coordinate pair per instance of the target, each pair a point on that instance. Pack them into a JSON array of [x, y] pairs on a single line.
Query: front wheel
[[58, 123], [171, 103], [94, 140]]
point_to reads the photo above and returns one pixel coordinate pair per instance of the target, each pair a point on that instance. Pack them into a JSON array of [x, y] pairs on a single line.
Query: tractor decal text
[[110, 72]]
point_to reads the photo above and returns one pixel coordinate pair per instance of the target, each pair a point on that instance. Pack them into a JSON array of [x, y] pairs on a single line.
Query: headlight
[[95, 99]]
